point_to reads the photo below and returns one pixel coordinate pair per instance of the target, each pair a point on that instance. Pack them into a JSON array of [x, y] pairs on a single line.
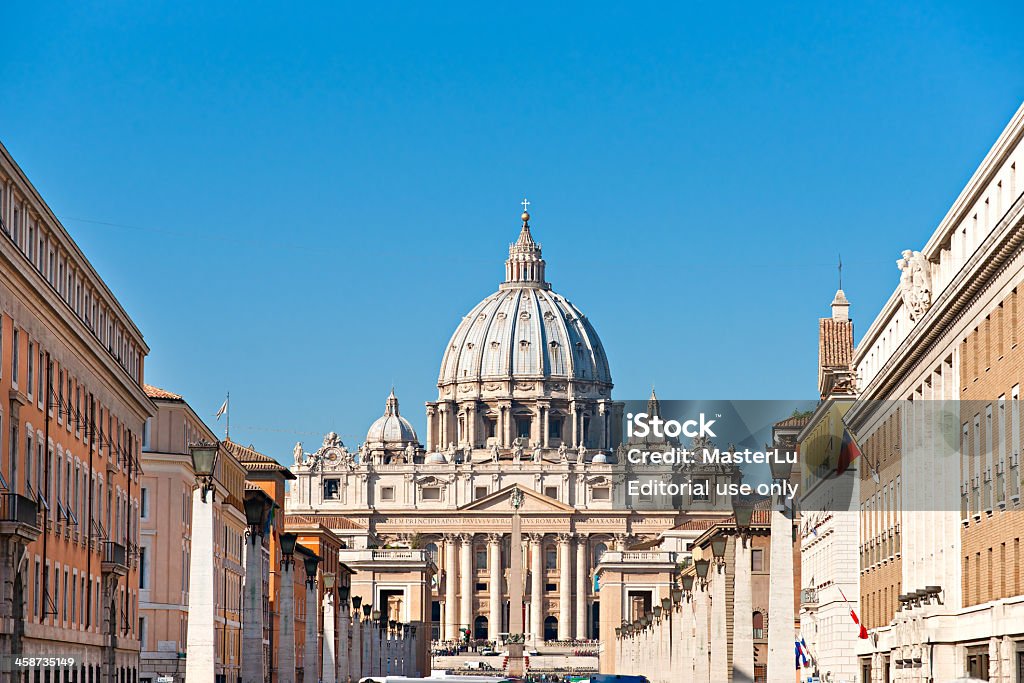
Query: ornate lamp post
[[330, 646], [781, 612], [311, 650], [257, 510], [200, 642], [701, 661], [286, 610], [719, 626], [742, 596], [355, 654]]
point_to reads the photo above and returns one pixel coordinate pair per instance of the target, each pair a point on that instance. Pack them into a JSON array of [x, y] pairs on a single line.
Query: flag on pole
[[223, 409], [863, 635], [801, 652], [848, 451]]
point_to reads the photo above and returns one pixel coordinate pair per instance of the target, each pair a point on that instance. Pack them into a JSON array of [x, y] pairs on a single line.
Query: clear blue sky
[[298, 203]]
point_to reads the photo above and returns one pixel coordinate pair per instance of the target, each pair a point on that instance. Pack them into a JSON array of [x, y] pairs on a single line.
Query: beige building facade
[[166, 546]]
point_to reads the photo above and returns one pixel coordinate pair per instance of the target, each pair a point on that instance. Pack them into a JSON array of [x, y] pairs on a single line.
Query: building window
[[143, 576], [31, 368], [481, 586], [551, 587], [550, 558], [479, 492], [331, 489], [554, 427], [387, 493], [431, 493], [523, 426], [143, 502], [700, 487], [757, 560], [601, 493], [758, 625], [14, 357], [481, 558], [551, 492]]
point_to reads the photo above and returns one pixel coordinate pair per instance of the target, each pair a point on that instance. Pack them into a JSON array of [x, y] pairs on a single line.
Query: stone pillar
[[200, 640], [780, 600], [494, 566], [466, 574], [252, 612], [450, 599], [575, 421], [311, 649], [546, 427], [286, 625], [355, 651], [373, 637], [564, 586], [344, 658], [581, 587], [537, 588], [742, 617], [719, 629], [330, 662], [701, 663]]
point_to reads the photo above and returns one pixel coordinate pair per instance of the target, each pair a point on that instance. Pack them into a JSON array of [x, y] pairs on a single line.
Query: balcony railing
[[115, 557], [19, 509]]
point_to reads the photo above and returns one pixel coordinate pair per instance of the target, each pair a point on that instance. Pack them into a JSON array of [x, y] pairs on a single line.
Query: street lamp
[[366, 610], [311, 562], [743, 509], [702, 566], [666, 603], [718, 551], [257, 508], [288, 541], [204, 461]]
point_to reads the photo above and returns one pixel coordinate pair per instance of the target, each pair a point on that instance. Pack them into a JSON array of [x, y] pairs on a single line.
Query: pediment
[[501, 501]]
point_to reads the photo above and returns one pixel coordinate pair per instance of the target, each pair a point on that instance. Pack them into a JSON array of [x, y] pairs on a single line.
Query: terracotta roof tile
[[795, 421], [157, 392], [252, 460], [835, 343], [329, 521]]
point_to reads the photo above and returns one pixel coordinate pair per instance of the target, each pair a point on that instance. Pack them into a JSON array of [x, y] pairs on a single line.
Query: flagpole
[[227, 422]]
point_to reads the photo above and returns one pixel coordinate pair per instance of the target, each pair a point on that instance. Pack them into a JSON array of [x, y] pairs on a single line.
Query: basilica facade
[[524, 403]]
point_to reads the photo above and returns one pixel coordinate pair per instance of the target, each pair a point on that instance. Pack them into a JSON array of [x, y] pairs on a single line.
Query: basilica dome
[[391, 430], [525, 330]]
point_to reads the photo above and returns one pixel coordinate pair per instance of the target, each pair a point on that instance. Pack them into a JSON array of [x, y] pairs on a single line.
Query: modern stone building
[[938, 415], [524, 400], [71, 425]]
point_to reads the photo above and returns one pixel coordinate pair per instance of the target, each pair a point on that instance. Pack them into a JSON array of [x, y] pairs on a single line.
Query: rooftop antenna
[[840, 271]]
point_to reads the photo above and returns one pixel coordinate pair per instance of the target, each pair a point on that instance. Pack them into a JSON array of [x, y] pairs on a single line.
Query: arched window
[[758, 625], [599, 550]]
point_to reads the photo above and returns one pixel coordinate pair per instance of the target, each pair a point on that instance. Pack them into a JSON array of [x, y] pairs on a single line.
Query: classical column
[[537, 588], [564, 586], [575, 415], [581, 587], [546, 426], [701, 661], [494, 565], [252, 612], [344, 660], [286, 624], [330, 662], [719, 629], [466, 575], [311, 648], [367, 638], [781, 612], [200, 641], [355, 650], [450, 599], [742, 617]]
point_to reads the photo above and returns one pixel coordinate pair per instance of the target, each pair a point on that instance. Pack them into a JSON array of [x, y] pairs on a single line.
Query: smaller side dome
[[391, 430]]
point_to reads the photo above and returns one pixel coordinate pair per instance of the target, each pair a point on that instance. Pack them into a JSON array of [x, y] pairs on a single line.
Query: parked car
[[487, 652]]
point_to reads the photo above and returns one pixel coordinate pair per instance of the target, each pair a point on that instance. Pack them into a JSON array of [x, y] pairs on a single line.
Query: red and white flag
[[863, 635]]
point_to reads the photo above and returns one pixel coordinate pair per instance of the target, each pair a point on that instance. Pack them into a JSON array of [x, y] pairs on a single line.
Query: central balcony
[[115, 559]]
